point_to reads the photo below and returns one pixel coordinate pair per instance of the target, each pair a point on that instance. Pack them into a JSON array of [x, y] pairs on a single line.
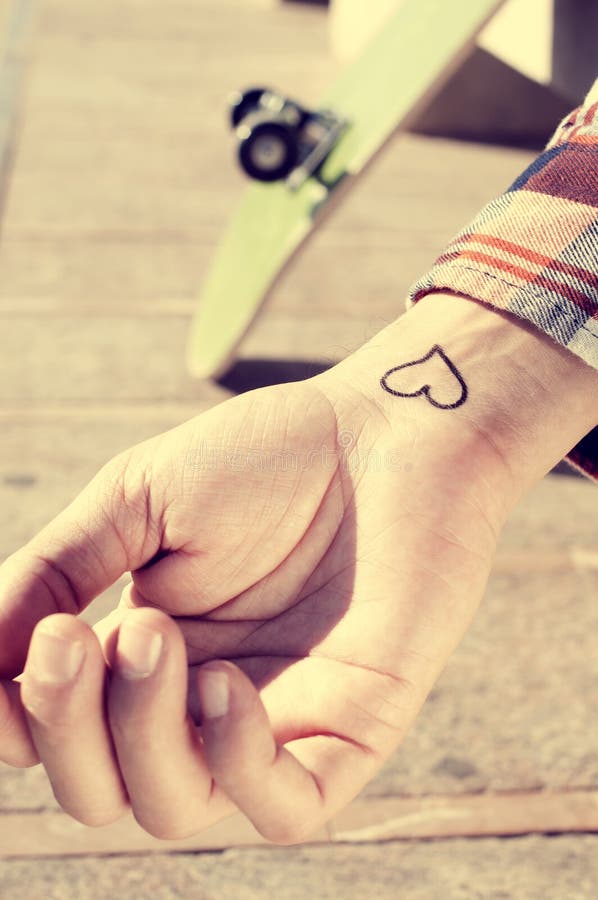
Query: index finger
[[99, 536]]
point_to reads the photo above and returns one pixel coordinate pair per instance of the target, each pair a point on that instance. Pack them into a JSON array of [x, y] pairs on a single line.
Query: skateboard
[[303, 161]]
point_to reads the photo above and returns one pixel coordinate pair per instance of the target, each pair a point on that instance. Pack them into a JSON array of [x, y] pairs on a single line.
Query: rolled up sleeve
[[533, 251]]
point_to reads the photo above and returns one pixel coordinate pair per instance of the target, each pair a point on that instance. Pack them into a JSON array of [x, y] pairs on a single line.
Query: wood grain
[[39, 834]]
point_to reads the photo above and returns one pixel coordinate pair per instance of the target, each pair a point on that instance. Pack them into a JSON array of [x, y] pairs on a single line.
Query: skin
[[304, 560]]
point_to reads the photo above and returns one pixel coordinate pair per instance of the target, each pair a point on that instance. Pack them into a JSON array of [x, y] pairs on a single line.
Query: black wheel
[[268, 148], [241, 104]]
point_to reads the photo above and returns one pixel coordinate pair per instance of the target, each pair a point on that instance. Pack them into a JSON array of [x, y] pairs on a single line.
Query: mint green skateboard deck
[[396, 76]]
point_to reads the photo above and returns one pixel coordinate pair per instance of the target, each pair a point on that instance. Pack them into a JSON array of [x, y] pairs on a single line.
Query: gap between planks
[[51, 834], [13, 60]]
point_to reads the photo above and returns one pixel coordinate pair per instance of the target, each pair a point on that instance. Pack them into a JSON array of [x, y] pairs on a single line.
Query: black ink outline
[[425, 390]]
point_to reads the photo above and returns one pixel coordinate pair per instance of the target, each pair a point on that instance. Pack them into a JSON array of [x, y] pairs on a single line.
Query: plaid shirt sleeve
[[534, 250]]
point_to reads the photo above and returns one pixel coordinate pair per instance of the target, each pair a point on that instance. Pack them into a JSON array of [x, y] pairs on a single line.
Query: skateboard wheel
[[268, 148], [243, 103]]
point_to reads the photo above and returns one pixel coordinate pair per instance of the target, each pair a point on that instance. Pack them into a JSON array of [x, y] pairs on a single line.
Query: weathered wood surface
[[123, 180], [365, 821], [15, 19], [484, 869]]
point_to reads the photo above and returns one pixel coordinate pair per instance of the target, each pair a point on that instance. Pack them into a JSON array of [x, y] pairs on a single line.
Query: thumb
[[107, 530]]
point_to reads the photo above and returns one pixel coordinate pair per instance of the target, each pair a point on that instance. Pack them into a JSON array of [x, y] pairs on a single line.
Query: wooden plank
[[557, 515], [512, 707], [39, 834], [201, 53], [398, 193], [100, 358], [146, 278], [559, 559], [14, 33], [187, 105], [111, 202], [140, 277], [48, 457], [55, 834], [187, 20], [415, 165], [137, 414], [5, 12], [474, 815], [115, 359], [528, 868], [254, 43], [123, 266]]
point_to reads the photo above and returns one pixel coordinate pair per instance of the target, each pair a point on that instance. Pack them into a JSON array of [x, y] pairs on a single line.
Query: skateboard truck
[[376, 95], [279, 139]]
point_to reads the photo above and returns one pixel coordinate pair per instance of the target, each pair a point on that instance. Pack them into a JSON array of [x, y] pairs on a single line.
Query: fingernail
[[214, 693], [138, 650], [55, 659]]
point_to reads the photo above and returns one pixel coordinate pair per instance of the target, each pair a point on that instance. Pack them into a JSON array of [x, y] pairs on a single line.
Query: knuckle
[[130, 490], [53, 578]]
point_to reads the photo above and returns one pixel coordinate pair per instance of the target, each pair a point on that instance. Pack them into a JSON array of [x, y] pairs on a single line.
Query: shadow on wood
[[249, 374]]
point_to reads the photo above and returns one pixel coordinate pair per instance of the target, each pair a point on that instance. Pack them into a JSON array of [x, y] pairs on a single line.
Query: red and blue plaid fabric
[[534, 250]]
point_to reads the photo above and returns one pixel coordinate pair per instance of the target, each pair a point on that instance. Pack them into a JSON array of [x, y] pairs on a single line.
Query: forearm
[[528, 401]]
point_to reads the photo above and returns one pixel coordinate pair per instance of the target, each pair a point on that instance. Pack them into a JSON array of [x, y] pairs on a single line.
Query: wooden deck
[[117, 179]]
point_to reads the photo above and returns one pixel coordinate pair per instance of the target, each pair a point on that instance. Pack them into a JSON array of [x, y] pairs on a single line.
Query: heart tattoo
[[449, 393]]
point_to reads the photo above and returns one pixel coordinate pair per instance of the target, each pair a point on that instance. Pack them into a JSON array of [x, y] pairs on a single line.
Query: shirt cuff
[[533, 251]]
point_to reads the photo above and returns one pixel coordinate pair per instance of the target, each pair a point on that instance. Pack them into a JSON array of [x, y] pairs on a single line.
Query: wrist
[[524, 403]]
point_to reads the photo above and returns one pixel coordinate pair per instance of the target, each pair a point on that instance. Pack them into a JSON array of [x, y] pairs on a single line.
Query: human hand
[[322, 548]]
